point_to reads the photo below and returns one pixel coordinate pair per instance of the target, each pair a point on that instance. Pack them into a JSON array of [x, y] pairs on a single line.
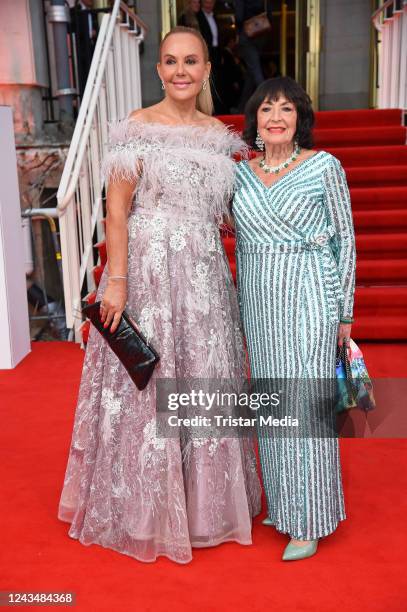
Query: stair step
[[235, 121], [339, 119], [358, 118], [84, 331], [385, 220], [97, 273], [386, 300], [90, 298], [359, 136], [373, 327], [381, 271], [101, 247], [370, 156], [375, 198], [229, 243], [379, 176], [389, 245]]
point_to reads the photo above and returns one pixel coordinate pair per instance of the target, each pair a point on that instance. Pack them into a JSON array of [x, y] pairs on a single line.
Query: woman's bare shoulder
[[214, 121], [148, 115]]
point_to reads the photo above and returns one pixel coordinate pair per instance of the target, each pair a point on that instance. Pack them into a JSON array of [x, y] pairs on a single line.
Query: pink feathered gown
[[125, 488]]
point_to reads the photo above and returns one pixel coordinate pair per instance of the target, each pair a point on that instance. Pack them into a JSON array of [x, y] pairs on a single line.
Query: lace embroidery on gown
[[125, 488]]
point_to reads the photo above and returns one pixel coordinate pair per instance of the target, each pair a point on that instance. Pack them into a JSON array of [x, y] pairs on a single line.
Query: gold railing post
[[374, 50], [314, 28], [283, 39], [168, 16]]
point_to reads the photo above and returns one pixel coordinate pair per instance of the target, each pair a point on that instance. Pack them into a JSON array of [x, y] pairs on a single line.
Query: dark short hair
[[272, 90]]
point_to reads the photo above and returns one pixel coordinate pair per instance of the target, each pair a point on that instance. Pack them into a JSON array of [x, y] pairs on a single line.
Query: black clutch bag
[[127, 342]]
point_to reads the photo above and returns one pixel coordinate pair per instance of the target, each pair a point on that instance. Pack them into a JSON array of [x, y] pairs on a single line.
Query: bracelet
[[118, 276], [348, 320]]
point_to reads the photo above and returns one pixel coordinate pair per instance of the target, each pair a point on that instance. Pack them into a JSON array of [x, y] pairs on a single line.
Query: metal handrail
[[378, 13], [113, 88], [90, 97], [83, 124], [133, 16], [391, 50]]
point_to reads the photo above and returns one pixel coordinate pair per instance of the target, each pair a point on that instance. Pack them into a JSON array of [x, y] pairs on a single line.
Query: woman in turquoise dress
[[295, 253]]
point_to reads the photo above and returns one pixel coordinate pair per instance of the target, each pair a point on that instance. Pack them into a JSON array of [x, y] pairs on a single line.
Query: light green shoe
[[268, 522], [293, 552]]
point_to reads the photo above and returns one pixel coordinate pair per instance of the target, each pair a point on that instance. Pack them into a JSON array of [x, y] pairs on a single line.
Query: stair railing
[[113, 89], [390, 20]]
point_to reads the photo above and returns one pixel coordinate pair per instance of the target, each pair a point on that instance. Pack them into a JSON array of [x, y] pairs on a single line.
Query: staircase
[[371, 145], [375, 160], [113, 89]]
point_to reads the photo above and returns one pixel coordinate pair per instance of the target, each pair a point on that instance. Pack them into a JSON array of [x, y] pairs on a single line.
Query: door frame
[[307, 43], [313, 51], [168, 16]]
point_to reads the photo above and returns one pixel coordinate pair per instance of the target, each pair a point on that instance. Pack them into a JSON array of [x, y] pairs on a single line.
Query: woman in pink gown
[[170, 175]]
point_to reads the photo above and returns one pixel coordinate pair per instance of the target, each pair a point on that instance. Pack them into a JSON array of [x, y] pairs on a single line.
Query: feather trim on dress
[[192, 161]]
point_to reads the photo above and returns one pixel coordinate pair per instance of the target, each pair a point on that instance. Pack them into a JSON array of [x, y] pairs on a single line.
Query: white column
[[14, 323], [395, 60], [402, 101]]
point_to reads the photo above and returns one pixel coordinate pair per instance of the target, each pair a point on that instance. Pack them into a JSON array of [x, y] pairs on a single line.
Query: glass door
[[293, 46]]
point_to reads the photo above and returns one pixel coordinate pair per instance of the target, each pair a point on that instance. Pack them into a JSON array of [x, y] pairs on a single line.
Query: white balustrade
[[112, 90], [390, 20]]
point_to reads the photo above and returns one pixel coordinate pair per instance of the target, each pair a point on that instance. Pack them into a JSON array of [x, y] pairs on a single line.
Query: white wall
[[14, 324]]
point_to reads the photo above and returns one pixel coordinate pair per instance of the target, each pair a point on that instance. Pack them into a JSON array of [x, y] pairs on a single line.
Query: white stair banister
[[390, 20], [112, 90]]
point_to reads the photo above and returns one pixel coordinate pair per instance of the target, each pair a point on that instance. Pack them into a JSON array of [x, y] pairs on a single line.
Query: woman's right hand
[[113, 303]]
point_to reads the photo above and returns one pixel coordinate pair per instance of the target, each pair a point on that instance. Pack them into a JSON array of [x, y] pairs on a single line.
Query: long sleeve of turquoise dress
[[338, 206], [295, 254]]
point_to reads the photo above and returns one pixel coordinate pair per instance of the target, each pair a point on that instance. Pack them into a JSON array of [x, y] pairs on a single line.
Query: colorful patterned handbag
[[355, 389]]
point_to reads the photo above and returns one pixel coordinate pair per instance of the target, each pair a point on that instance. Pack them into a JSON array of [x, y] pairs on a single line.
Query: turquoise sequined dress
[[295, 254]]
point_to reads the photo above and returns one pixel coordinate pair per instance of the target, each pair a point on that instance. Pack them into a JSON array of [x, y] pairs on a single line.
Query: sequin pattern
[[296, 276]]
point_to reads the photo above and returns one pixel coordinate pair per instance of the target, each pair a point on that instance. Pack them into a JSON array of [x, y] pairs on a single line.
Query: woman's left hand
[[344, 333]]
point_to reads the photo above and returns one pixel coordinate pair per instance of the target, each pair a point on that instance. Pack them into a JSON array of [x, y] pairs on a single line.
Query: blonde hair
[[204, 102]]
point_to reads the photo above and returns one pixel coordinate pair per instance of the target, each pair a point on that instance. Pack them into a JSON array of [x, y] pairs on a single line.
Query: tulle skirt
[[126, 488]]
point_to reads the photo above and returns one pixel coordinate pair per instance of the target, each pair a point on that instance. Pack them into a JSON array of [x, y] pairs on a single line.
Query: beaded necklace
[[276, 169]]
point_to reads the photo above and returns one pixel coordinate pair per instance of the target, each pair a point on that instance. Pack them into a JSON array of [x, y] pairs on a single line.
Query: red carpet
[[361, 567], [371, 144]]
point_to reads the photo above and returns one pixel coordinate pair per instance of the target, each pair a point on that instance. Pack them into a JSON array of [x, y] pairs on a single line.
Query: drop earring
[[204, 85], [162, 85], [259, 142]]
